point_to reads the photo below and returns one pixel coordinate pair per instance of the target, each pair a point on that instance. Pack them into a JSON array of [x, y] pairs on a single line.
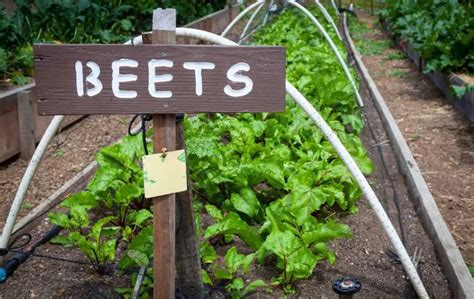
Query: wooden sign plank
[[125, 79]]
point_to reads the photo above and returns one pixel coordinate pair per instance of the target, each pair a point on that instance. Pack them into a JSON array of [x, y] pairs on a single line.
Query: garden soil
[[440, 138]]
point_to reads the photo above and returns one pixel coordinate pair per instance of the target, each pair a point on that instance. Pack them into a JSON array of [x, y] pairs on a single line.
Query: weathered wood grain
[[56, 79], [26, 124], [164, 207]]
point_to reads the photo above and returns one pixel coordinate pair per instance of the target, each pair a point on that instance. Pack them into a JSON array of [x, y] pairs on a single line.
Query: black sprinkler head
[[347, 286]]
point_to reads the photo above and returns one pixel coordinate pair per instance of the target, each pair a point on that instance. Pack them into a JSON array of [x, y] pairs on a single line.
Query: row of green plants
[[82, 21], [440, 31], [268, 187]]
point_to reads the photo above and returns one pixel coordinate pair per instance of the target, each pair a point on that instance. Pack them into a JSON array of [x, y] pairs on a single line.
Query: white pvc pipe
[[249, 22], [27, 177], [328, 17], [346, 158], [333, 47], [240, 16], [335, 6]]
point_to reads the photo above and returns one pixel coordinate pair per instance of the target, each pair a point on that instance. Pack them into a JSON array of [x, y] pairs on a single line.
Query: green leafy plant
[[460, 91], [440, 31], [273, 178], [233, 263], [98, 244]]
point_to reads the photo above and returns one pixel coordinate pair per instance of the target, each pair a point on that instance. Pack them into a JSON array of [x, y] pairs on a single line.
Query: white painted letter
[[154, 78], [234, 76], [92, 78], [198, 67], [118, 78], [79, 79]]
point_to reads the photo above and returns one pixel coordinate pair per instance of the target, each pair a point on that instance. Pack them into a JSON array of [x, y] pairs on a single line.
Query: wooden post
[[164, 207], [26, 125]]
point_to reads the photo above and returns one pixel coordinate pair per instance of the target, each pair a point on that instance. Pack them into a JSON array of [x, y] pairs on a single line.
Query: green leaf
[[221, 273], [62, 240], [59, 219], [205, 277], [140, 217], [207, 252], [138, 257], [324, 252], [236, 285], [107, 251], [126, 25], [246, 202], [214, 212], [79, 216], [326, 232], [143, 242], [97, 228], [296, 259], [84, 198], [233, 260], [233, 224], [253, 286]]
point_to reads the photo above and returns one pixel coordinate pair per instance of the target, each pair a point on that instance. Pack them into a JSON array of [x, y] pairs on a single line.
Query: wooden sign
[[126, 79]]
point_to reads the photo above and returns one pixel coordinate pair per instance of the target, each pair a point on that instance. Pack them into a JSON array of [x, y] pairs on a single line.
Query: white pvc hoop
[[333, 47], [240, 16], [252, 17], [328, 17]]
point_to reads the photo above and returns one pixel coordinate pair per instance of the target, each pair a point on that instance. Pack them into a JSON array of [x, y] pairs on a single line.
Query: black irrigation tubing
[[60, 259], [395, 194]]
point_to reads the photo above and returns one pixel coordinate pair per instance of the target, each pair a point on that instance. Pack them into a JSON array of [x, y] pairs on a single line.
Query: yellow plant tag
[[164, 173]]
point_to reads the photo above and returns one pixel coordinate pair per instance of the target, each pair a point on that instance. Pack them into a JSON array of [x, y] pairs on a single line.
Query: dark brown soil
[[70, 151], [441, 139]]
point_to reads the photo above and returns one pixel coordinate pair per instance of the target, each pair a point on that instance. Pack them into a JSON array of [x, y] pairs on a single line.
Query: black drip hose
[[11, 264]]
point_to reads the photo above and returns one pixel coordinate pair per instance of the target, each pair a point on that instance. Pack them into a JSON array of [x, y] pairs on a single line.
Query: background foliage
[[80, 21], [441, 31]]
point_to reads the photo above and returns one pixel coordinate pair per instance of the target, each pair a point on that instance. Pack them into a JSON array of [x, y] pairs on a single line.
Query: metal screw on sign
[[346, 287]]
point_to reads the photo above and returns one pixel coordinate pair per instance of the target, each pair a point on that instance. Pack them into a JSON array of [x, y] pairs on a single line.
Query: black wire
[[15, 249], [52, 257], [13, 246], [395, 194], [143, 118]]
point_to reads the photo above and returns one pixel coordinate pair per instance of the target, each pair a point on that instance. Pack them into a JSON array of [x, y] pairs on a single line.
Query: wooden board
[[58, 94]]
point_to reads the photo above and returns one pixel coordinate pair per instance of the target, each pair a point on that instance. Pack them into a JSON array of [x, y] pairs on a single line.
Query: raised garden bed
[[464, 104]]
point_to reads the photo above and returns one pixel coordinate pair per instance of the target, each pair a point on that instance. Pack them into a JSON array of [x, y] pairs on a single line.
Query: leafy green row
[[441, 31], [270, 180], [83, 21]]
